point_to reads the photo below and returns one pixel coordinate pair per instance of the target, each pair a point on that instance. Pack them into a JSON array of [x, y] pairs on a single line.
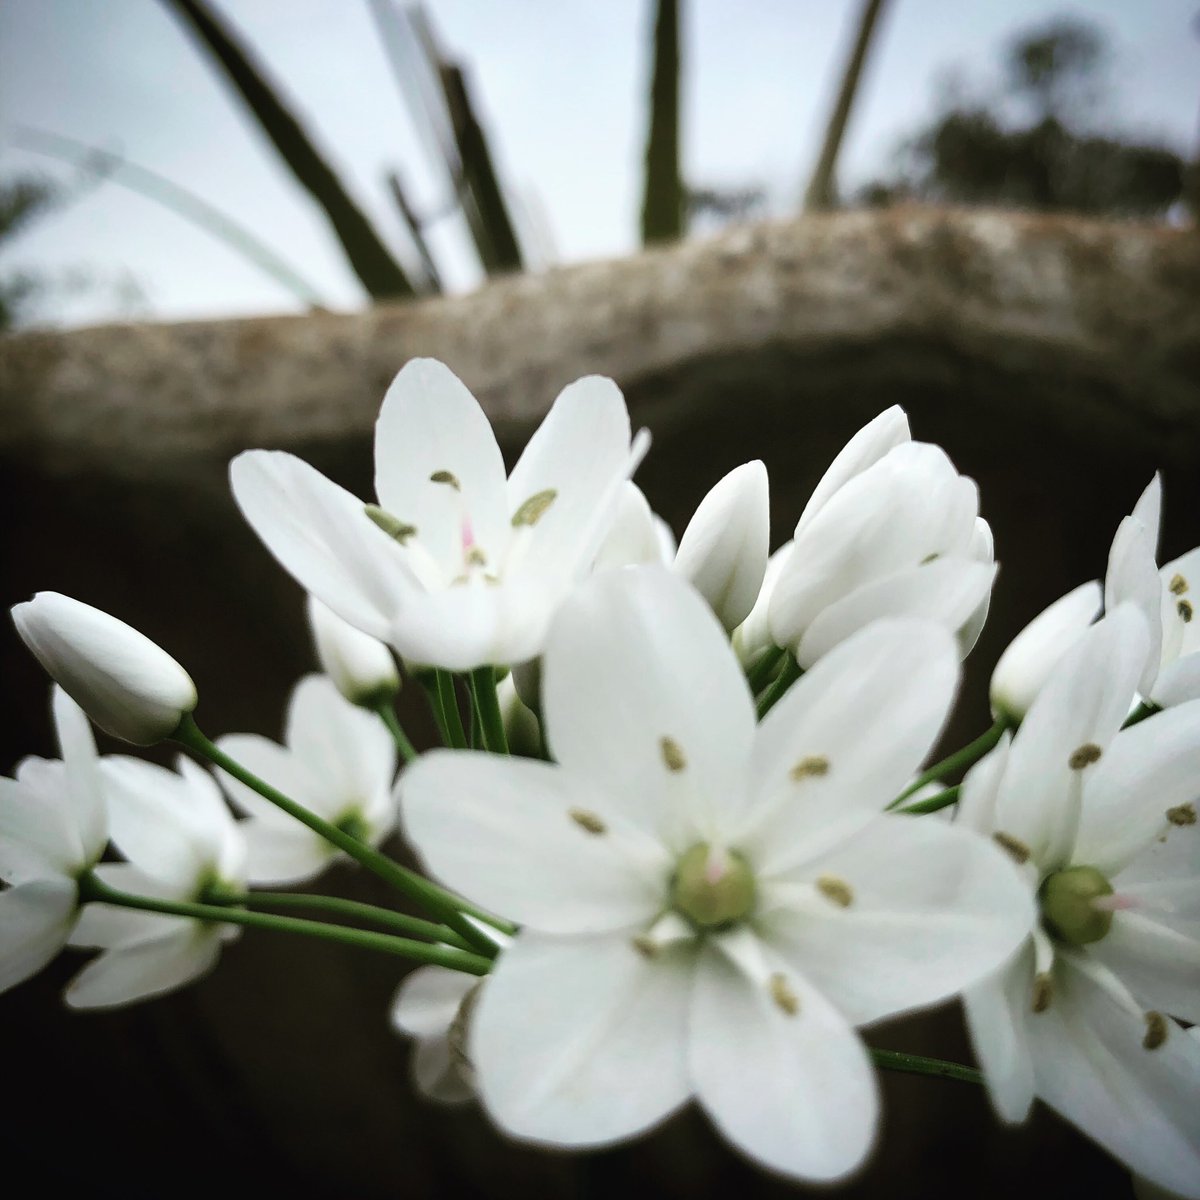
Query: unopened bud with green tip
[[713, 887], [361, 667], [128, 686], [1068, 905]]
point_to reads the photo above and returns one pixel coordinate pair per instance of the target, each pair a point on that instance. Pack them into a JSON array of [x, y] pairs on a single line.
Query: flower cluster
[[678, 841]]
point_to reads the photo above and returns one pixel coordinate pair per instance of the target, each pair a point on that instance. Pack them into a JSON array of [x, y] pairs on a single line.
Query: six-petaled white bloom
[[182, 844], [456, 567], [128, 685], [1166, 598], [707, 907], [361, 667], [53, 828], [337, 760], [1031, 657], [900, 536], [1101, 826]]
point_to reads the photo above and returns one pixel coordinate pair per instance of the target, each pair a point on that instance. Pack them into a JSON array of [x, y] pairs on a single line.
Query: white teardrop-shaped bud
[[723, 551], [1033, 654], [128, 685], [361, 668]]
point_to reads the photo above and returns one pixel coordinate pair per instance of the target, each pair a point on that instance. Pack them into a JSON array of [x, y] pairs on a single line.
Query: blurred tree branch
[[663, 207]]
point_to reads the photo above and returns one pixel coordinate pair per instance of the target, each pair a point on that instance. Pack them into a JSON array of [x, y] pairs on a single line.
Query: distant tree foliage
[[1025, 147], [22, 200]]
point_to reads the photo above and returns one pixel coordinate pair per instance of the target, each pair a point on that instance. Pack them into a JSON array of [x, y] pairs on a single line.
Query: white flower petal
[[1148, 510], [863, 450], [1177, 682], [154, 825], [1149, 770], [38, 835], [277, 766], [946, 590], [101, 926], [1159, 965], [846, 739], [976, 808], [642, 695], [430, 423], [1132, 577], [997, 1011], [582, 1042], [929, 909], [753, 636], [322, 536], [982, 549], [85, 788], [1139, 1104], [776, 1067], [1033, 654], [436, 1075], [581, 454], [723, 551], [35, 920], [282, 855], [361, 667], [429, 999], [128, 685], [1079, 710], [143, 969], [635, 537], [532, 841]]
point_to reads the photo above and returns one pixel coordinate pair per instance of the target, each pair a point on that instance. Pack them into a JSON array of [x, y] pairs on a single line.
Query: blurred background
[[768, 221]]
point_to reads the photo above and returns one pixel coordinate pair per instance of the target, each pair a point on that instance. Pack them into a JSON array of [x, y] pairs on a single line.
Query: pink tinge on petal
[[468, 534], [1116, 903]]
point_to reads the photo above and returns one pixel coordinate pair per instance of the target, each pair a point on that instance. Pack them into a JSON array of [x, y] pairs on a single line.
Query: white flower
[[723, 551], [338, 761], [901, 537], [1166, 598], [129, 686], [708, 908], [361, 667], [1031, 657], [182, 844], [52, 829], [429, 1008], [637, 535], [753, 636], [457, 567], [1081, 1014]]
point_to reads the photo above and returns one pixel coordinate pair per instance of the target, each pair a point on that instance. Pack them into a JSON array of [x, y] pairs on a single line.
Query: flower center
[[1068, 909], [712, 887]]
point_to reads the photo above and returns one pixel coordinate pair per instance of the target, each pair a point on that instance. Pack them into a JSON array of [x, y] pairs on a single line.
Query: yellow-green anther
[[446, 477], [533, 509], [1067, 908], [712, 888], [391, 525]]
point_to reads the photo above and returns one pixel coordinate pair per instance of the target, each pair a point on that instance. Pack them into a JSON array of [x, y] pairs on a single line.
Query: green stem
[[958, 761], [428, 682], [416, 887], [1147, 708], [353, 910], [388, 715], [787, 676], [918, 1064], [91, 888], [449, 702], [483, 688], [933, 803], [759, 675]]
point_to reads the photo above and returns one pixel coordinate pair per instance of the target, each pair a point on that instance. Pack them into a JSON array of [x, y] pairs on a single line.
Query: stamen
[[1157, 1027], [1087, 754], [446, 477], [1184, 609], [1182, 814], [836, 890], [645, 945], [392, 526], [532, 511], [811, 766], [1017, 850], [587, 820], [1043, 993], [672, 754], [785, 999], [1178, 585], [476, 557]]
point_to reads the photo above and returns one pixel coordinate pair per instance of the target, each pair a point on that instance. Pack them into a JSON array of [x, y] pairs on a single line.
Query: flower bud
[[1032, 655], [712, 887], [723, 551], [129, 686], [361, 668]]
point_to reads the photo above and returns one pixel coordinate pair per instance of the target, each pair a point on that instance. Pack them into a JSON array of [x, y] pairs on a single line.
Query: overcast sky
[[561, 87]]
